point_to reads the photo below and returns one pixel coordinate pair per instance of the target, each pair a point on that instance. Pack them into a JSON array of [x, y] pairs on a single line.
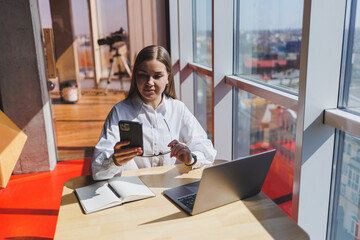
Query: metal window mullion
[[174, 42], [222, 64], [236, 35], [343, 120], [336, 178], [282, 98], [318, 90], [94, 34], [205, 70], [186, 52], [194, 27], [339, 119], [348, 50]]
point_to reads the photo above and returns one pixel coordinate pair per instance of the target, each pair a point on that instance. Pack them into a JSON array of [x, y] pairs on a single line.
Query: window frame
[[268, 92], [315, 127], [187, 66], [194, 40], [94, 34], [343, 120]]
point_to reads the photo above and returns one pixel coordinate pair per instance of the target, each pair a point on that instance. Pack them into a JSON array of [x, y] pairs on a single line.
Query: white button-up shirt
[[170, 120]]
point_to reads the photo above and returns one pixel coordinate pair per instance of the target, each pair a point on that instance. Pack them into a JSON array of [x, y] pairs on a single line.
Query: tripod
[[119, 73]]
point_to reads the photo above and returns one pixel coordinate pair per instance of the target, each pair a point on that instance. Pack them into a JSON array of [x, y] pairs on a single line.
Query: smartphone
[[131, 131]]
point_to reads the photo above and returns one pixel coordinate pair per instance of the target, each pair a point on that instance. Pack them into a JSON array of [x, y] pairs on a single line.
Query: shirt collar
[[162, 107], [138, 104]]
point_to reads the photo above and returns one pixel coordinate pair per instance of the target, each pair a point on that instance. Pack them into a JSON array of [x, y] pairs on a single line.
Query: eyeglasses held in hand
[[155, 155]]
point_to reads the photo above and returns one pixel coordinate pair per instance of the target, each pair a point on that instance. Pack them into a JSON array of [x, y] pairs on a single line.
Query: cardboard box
[[12, 141]]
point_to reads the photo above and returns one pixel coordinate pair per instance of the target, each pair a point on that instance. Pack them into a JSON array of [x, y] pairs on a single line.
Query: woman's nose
[[150, 80]]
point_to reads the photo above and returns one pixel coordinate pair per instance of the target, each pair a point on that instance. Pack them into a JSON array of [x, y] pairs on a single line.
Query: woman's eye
[[142, 76], [158, 76]]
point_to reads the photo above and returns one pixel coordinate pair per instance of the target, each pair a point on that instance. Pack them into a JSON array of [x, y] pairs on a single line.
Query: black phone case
[[131, 131]]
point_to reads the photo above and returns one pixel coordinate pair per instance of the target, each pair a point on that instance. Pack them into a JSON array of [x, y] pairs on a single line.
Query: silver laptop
[[223, 183]]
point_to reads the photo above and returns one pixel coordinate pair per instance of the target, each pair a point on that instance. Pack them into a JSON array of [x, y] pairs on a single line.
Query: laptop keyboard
[[188, 200]]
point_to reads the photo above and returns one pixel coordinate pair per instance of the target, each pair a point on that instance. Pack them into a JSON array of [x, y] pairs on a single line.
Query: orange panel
[[29, 205]]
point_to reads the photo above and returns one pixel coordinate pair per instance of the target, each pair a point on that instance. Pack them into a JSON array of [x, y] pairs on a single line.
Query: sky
[[254, 15], [45, 15], [203, 14], [257, 14], [271, 14]]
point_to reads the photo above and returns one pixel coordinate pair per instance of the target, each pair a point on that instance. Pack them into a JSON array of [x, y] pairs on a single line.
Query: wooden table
[[158, 218]]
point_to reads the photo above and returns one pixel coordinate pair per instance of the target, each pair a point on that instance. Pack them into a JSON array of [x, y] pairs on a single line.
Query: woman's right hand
[[123, 155]]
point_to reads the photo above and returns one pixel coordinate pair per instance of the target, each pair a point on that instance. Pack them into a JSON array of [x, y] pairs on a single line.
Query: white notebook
[[112, 192]]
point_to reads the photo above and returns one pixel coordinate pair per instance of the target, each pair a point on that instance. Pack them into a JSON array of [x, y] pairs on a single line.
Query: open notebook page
[[130, 188], [97, 196]]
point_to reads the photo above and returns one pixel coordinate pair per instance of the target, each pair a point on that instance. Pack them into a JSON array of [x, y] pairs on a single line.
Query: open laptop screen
[[225, 183]]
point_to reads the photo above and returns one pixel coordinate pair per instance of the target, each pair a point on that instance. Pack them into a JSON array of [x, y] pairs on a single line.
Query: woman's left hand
[[180, 151]]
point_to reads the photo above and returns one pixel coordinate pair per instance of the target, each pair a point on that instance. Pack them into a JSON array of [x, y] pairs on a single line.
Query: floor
[[78, 126], [30, 203]]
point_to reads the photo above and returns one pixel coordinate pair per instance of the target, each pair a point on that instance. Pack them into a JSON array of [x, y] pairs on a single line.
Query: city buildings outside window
[[346, 199], [202, 55], [351, 88], [202, 30], [268, 40], [260, 125], [345, 217], [270, 102], [203, 109]]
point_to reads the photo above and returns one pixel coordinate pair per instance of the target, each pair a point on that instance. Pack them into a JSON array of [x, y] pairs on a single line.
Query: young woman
[[171, 134]]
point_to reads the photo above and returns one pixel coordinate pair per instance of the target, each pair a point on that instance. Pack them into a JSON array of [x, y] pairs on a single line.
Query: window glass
[[81, 26], [344, 220], [267, 41], [351, 95], [347, 195], [112, 15], [202, 25], [203, 102], [45, 13], [261, 125], [80, 20]]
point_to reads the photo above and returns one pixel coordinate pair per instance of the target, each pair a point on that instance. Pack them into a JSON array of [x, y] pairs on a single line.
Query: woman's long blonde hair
[[150, 53]]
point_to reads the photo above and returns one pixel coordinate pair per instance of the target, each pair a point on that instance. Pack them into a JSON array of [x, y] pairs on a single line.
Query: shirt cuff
[[201, 160], [194, 160]]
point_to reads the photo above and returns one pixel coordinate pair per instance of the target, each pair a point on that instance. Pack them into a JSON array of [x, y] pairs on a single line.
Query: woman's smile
[[149, 90]]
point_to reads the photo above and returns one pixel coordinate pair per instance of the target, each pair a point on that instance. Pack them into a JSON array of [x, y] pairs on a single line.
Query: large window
[[347, 195], [203, 108], [45, 13], [81, 30], [112, 15], [297, 104], [267, 41], [351, 86], [345, 218], [82, 38], [261, 125], [202, 32], [202, 57]]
